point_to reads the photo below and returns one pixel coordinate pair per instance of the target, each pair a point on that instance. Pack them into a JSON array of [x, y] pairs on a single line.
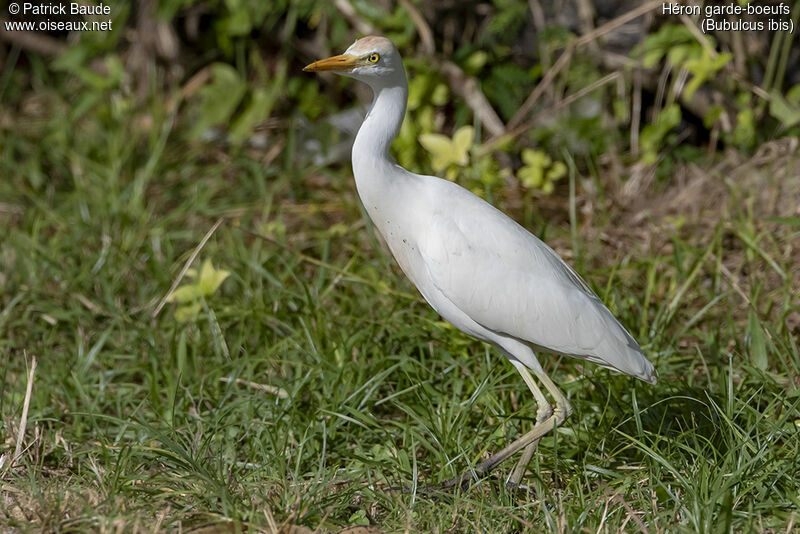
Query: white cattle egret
[[476, 267]]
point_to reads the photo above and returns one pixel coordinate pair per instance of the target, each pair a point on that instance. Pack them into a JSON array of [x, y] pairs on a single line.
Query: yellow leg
[[541, 400], [542, 413], [561, 412], [562, 404]]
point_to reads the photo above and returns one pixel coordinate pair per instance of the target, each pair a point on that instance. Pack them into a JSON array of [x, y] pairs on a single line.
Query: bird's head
[[371, 60]]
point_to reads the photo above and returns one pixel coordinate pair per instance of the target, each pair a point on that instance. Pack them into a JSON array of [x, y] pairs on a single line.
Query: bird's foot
[[463, 481], [544, 412], [520, 489]]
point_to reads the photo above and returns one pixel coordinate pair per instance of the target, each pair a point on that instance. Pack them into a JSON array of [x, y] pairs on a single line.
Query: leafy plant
[[652, 137], [703, 68], [219, 99], [744, 134], [507, 86], [682, 50], [190, 296], [447, 153], [673, 41], [783, 109], [540, 172], [426, 91]]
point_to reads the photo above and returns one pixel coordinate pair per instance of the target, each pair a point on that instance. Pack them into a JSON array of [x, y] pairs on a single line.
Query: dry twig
[[278, 392], [346, 9], [550, 75], [35, 42], [464, 86], [23, 420], [563, 103], [423, 29], [467, 88]]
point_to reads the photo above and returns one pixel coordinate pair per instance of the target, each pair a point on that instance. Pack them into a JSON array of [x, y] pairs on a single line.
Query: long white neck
[[372, 164]]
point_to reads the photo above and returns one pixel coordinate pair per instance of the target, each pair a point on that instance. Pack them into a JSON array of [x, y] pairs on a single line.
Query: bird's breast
[[404, 249]]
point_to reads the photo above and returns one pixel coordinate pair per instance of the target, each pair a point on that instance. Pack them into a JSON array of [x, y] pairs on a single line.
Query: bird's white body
[[480, 270]]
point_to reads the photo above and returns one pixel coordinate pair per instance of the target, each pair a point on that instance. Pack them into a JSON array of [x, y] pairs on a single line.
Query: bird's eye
[[373, 58]]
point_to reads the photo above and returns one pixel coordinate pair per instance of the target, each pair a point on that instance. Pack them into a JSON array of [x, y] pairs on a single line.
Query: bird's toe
[[544, 412]]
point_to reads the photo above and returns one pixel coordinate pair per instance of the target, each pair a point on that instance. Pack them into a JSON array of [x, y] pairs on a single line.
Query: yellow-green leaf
[[462, 140], [531, 176], [440, 95], [756, 341], [210, 278], [783, 111], [440, 148], [186, 293], [535, 158], [557, 171], [187, 313], [476, 61], [337, 230], [207, 281], [539, 171], [445, 151]]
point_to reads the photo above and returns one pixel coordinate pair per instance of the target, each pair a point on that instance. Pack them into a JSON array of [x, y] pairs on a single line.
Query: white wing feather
[[510, 282]]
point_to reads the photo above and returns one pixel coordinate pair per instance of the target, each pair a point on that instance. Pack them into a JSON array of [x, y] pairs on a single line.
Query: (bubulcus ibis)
[[476, 267]]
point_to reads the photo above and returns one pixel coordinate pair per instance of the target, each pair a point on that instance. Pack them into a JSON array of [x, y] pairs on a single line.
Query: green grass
[[131, 427]]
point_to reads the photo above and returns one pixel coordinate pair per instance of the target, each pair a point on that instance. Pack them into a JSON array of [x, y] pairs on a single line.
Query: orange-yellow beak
[[342, 62]]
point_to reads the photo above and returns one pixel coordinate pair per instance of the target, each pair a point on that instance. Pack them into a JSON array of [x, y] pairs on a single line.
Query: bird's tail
[[619, 351]]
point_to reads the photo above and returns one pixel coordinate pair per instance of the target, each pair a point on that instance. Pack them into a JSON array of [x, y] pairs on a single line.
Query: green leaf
[[337, 230], [783, 111], [358, 518], [535, 158], [186, 293], [557, 171], [257, 111], [531, 177], [791, 221], [440, 148], [220, 98], [670, 40], [440, 95], [793, 95], [745, 131], [679, 54], [445, 151], [462, 141], [713, 115], [652, 136], [418, 90], [207, 281], [187, 313], [476, 61], [210, 278], [620, 109], [756, 342], [651, 58], [506, 86], [703, 68], [539, 171]]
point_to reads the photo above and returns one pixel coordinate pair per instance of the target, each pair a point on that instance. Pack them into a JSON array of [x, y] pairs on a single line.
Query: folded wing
[[512, 283]]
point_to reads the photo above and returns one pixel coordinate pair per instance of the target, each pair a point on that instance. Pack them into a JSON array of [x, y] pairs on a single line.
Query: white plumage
[[480, 270]]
